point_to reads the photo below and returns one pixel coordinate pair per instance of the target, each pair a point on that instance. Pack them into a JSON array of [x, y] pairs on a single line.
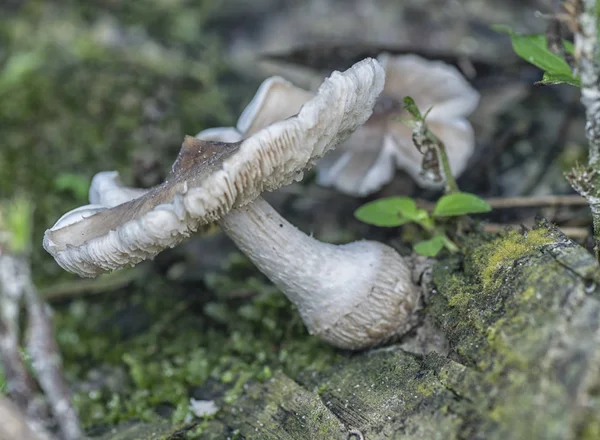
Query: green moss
[[472, 290], [507, 249], [426, 389], [501, 346], [529, 293], [387, 391], [500, 305], [150, 431], [591, 430], [269, 406], [142, 351], [459, 299]]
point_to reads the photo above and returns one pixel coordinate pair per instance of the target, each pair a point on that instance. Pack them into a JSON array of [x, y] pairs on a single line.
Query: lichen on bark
[[522, 316]]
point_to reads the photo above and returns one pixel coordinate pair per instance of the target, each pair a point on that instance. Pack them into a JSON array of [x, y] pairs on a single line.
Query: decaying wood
[[521, 315], [14, 426], [15, 285]]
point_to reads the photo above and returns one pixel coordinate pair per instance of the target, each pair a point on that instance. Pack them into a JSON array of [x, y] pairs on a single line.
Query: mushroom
[[275, 100], [353, 296], [367, 159]]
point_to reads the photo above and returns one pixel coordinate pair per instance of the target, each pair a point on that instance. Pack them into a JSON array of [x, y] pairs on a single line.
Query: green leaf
[[409, 122], [421, 217], [550, 79], [534, 49], [460, 203], [388, 212], [411, 107], [431, 247]]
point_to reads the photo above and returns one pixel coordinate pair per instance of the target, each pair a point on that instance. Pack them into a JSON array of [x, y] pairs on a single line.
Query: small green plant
[[398, 211], [535, 49], [578, 65]]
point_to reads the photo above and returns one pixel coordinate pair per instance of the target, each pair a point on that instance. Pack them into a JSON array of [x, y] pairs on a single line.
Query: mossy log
[[521, 317]]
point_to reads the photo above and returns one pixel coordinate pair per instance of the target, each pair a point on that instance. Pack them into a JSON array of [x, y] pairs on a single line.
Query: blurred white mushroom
[[367, 160], [105, 190], [275, 100], [353, 296]]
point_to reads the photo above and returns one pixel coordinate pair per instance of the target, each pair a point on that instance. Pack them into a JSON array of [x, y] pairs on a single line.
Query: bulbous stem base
[[353, 296]]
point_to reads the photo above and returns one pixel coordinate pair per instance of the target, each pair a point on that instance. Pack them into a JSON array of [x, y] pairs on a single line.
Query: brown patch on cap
[[196, 152], [197, 159]]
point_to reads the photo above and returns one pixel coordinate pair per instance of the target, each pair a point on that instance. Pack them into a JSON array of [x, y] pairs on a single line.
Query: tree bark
[[516, 321]]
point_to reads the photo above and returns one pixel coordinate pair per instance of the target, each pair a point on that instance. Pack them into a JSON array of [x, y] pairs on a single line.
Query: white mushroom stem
[[354, 295]]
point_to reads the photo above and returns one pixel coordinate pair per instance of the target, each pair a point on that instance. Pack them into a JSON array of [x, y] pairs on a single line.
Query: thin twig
[[20, 384], [536, 201], [435, 165], [571, 232], [112, 282], [47, 364], [554, 38], [525, 202], [16, 284], [451, 185]]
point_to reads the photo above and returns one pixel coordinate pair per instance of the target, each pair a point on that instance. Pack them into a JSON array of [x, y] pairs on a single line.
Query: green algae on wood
[[149, 431], [375, 394], [299, 413], [530, 300], [506, 250], [523, 357]]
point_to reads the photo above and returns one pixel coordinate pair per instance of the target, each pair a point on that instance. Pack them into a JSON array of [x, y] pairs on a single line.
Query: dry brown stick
[[525, 202], [571, 232], [112, 282], [536, 201], [46, 360], [15, 285], [15, 282], [15, 426], [20, 384]]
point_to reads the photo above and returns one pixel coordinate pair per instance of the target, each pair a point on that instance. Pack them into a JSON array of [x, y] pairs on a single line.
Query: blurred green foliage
[[15, 224], [77, 184], [89, 86], [98, 85]]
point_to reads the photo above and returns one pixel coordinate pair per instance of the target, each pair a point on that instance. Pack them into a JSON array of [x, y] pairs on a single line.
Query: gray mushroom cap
[[210, 178]]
